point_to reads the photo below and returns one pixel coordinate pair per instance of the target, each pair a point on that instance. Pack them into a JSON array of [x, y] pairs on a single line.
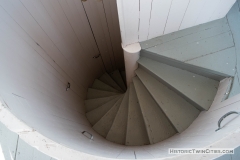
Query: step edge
[[119, 88], [118, 113], [196, 105], [215, 75], [144, 119], [118, 101], [124, 88], [128, 115], [112, 98], [178, 131], [114, 89], [117, 98], [162, 112]]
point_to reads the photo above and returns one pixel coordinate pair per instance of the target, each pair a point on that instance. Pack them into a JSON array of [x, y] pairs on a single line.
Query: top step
[[198, 90], [207, 50]]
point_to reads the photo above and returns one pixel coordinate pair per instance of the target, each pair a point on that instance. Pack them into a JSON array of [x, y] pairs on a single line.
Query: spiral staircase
[[162, 101]]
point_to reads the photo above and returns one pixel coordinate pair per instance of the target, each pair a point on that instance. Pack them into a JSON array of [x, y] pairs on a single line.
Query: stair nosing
[[162, 108], [113, 89], [173, 89], [118, 101], [118, 112], [116, 85]]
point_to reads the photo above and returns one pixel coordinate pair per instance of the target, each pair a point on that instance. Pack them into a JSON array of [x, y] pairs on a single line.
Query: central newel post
[[131, 55]]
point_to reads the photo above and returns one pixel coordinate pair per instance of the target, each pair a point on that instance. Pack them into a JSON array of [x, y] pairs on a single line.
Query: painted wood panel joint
[[15, 155]]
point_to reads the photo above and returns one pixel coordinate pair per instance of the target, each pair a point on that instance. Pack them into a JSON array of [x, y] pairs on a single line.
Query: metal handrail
[[224, 116], [89, 134]]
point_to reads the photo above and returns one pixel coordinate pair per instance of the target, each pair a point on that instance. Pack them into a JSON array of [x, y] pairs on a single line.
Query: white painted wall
[[102, 16], [141, 20], [44, 44], [58, 134], [42, 48]]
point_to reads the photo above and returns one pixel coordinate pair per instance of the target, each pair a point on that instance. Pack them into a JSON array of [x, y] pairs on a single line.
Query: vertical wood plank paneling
[[96, 15], [71, 50], [222, 9], [192, 13], [28, 69], [40, 16], [85, 42], [145, 16], [44, 45], [19, 13], [110, 7], [50, 63], [159, 16], [31, 75], [176, 15], [128, 12], [207, 11]]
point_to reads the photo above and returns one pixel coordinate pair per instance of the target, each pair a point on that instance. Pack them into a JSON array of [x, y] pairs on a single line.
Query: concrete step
[[92, 104], [108, 80], [198, 90], [95, 93], [157, 124], [136, 130], [116, 76], [117, 133], [180, 112], [104, 124], [95, 115], [97, 84]]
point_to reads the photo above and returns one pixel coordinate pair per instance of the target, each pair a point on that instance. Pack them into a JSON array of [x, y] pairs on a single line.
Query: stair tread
[[92, 104], [197, 89], [123, 74], [97, 84], [136, 130], [117, 133], [104, 124], [106, 78], [180, 112], [95, 115], [157, 124], [116, 76], [95, 93], [192, 32]]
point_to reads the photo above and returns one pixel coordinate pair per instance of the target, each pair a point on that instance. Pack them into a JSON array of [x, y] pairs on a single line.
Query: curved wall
[[65, 141], [42, 49], [43, 46]]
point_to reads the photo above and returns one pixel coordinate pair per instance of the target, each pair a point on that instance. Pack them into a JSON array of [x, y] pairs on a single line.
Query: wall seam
[[167, 17], [93, 35], [184, 15], [114, 60], [15, 156]]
